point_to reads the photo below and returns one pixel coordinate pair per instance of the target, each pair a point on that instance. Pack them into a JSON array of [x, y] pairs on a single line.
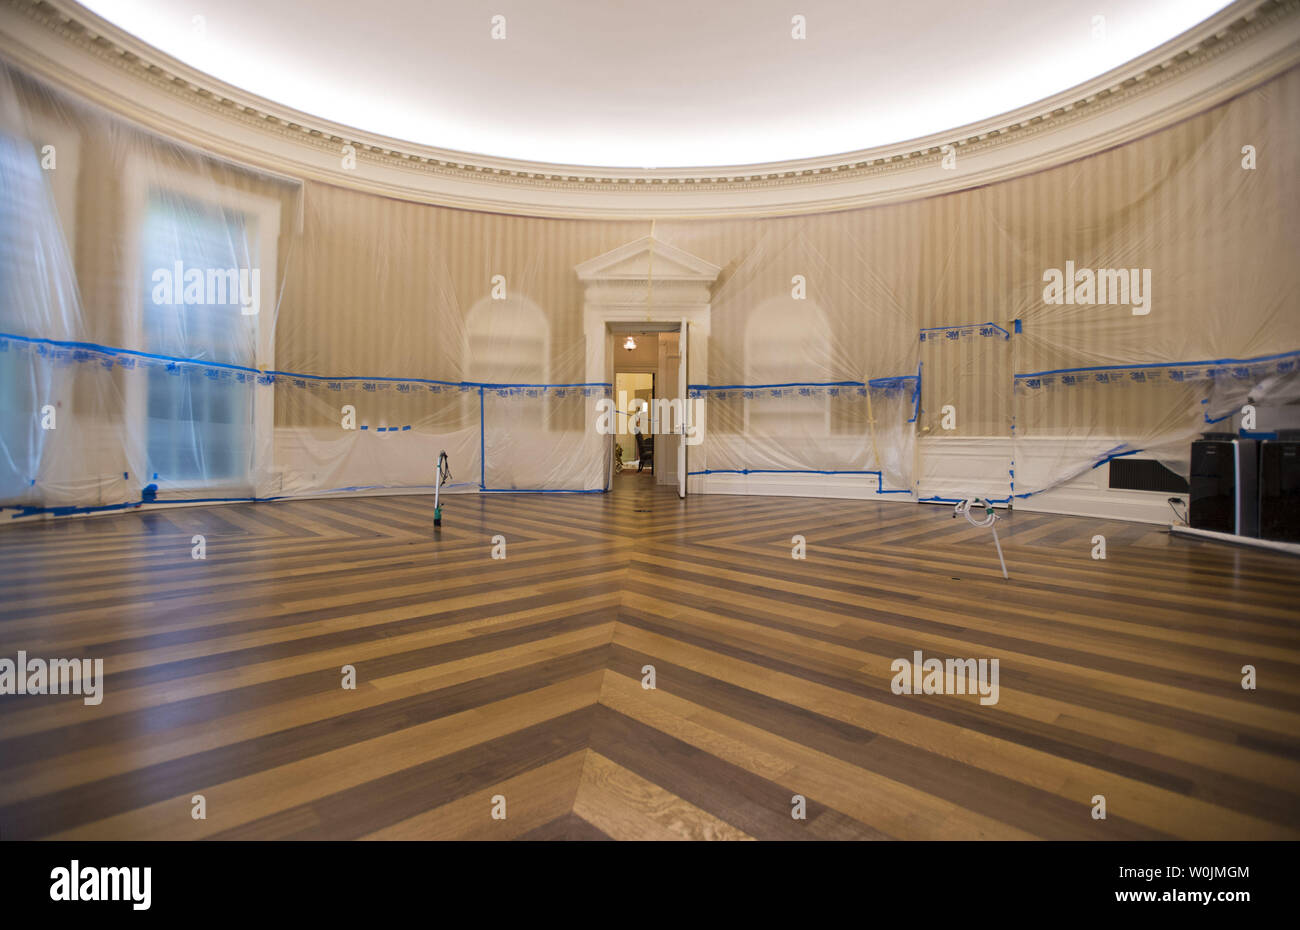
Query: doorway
[[645, 365], [648, 285], [634, 391]]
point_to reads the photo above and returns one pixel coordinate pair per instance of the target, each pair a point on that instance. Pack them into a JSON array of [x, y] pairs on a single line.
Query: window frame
[[141, 177], [63, 184], [820, 328]]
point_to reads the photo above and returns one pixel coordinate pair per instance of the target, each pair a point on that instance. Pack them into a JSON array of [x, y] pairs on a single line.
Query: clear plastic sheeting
[[1181, 274], [1195, 398], [369, 434], [542, 437], [812, 362], [140, 295], [141, 357], [843, 428], [966, 371], [178, 327]]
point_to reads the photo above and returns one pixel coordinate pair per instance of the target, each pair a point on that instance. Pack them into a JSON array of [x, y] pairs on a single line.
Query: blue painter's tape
[[148, 497], [541, 491], [782, 471], [966, 326], [491, 385], [958, 500], [916, 395], [306, 377], [880, 488], [1218, 361], [116, 350], [741, 387], [68, 511], [268, 377]]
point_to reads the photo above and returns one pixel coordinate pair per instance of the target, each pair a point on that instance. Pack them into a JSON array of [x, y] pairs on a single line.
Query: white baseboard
[[1233, 539], [848, 487], [964, 467], [1105, 503], [953, 467]]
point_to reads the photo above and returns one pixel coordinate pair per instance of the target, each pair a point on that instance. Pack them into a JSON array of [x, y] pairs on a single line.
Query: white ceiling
[[654, 83]]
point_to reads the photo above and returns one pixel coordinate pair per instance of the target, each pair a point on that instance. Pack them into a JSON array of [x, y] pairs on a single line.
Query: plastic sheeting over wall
[[1177, 258], [139, 294], [141, 361], [176, 327], [812, 362]]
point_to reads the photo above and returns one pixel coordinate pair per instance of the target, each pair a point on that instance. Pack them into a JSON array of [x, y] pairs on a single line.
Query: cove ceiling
[[671, 83]]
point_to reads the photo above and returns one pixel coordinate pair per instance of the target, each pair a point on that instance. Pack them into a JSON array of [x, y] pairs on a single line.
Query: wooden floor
[[521, 677]]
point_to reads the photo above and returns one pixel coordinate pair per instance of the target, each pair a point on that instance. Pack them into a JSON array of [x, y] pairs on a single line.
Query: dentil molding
[[61, 42]]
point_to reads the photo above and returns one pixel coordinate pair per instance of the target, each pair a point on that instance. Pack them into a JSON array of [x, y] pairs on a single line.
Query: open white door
[[683, 391]]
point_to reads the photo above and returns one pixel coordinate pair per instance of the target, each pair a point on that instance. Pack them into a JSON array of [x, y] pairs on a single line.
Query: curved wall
[[381, 286]]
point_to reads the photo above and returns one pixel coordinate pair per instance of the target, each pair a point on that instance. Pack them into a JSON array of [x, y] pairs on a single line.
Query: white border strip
[[1288, 548]]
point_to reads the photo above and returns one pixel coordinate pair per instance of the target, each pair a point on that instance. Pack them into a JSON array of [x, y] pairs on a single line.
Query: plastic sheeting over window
[[812, 361], [141, 340]]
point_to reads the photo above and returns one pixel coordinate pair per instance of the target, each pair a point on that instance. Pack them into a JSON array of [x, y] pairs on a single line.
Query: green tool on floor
[[443, 476]]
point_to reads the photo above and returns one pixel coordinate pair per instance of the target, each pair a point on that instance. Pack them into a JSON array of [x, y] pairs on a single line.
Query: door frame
[[653, 372], [650, 283], [615, 331]]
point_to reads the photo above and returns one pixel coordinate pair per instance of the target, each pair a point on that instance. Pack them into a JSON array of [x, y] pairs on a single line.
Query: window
[[20, 201], [206, 261], [507, 342], [787, 341], [198, 421], [37, 295]]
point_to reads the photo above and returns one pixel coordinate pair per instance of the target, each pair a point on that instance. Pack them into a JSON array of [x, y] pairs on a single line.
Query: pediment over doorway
[[645, 259]]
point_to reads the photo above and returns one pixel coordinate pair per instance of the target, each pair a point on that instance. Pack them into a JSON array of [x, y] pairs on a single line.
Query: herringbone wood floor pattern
[[522, 676]]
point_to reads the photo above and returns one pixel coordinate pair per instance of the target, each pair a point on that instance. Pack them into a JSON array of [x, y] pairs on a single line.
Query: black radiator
[[1144, 475]]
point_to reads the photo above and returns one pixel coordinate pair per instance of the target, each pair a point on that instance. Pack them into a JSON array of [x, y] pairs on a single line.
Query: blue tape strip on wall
[[1211, 363], [268, 376]]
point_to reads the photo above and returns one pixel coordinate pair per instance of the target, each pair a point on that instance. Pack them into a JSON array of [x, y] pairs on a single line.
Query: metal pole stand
[[441, 474]]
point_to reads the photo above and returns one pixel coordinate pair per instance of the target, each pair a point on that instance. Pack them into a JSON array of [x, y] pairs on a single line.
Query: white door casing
[[683, 392], [647, 281]]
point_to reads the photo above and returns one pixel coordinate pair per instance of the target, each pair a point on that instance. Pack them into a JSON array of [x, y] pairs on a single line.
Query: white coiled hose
[[990, 518]]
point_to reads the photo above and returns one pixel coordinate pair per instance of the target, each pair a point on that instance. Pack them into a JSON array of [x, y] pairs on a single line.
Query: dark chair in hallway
[[645, 452]]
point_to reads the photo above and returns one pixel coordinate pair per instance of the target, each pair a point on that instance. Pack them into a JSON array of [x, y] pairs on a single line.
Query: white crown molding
[[1247, 43]]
